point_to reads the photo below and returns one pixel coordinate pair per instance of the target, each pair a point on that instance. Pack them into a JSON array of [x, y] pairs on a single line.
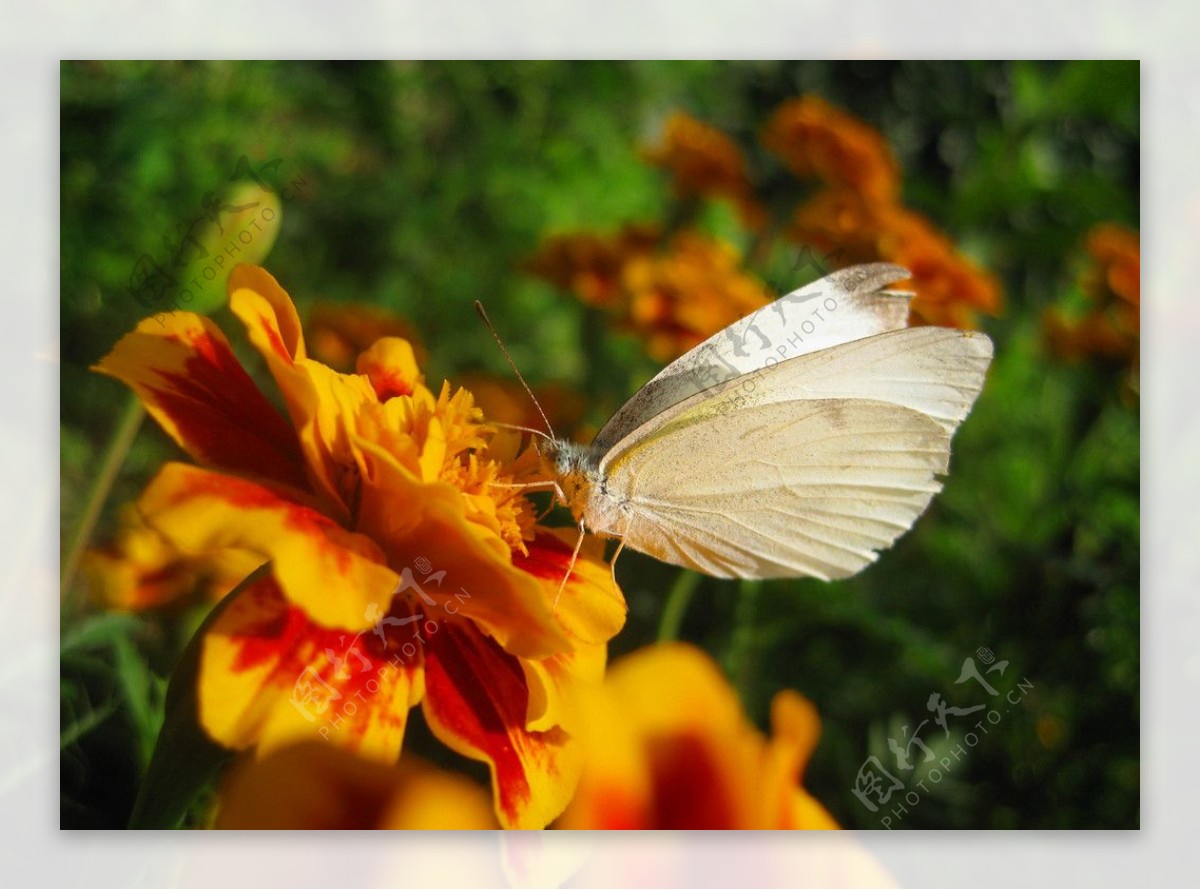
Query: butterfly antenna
[[488, 322]]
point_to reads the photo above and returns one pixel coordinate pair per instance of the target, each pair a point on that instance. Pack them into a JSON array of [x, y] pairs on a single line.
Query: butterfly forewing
[[845, 306], [937, 372]]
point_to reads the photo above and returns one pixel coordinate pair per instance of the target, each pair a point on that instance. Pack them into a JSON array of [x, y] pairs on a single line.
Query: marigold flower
[[141, 569], [1110, 327], [339, 332], [668, 746], [850, 229], [315, 786], [705, 163], [503, 400], [691, 290], [589, 265], [402, 571], [819, 141]]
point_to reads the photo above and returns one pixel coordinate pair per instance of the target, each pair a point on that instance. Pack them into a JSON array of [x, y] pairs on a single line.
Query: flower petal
[[337, 577], [323, 404], [274, 325], [270, 676], [391, 366], [184, 371], [478, 579], [590, 606], [475, 702], [315, 786]]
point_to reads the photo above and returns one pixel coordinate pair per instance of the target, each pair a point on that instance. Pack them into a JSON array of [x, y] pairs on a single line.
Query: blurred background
[[610, 215]]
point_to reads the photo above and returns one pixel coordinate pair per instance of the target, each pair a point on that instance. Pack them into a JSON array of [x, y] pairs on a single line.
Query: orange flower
[[1111, 325], [704, 162], [590, 265], [402, 571], [141, 569], [339, 332], [1115, 277], [503, 400], [818, 141], [687, 293], [851, 229], [669, 747], [314, 786]]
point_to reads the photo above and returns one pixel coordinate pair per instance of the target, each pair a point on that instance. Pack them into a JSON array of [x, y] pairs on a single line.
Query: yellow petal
[[337, 577], [269, 676]]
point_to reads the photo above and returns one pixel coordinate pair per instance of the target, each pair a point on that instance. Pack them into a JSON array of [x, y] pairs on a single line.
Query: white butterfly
[[799, 441]]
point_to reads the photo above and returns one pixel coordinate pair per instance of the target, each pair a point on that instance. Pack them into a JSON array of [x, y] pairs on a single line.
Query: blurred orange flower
[[1110, 326], [668, 746], [141, 569], [705, 163], [673, 297], [694, 288], [816, 140], [373, 477], [310, 785], [949, 288], [339, 332], [589, 265], [503, 400]]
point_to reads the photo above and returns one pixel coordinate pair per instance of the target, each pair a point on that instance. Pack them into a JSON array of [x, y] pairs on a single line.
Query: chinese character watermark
[[158, 284], [352, 672], [875, 785]]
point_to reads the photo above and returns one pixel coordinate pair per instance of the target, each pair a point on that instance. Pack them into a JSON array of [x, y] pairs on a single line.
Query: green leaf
[[185, 759]]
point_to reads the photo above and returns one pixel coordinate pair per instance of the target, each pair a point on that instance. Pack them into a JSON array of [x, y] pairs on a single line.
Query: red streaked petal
[[274, 326], [269, 676], [338, 577], [590, 607], [391, 366], [475, 702], [182, 368]]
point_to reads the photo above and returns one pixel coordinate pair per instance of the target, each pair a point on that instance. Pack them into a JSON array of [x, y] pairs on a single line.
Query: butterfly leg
[[570, 568], [612, 566]]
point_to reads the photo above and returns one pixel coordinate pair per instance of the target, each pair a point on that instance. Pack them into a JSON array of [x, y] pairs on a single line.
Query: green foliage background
[[421, 187]]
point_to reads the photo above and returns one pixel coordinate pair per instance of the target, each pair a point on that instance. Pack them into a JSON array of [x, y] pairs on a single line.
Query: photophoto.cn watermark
[[158, 284], [759, 348], [892, 794], [400, 642]]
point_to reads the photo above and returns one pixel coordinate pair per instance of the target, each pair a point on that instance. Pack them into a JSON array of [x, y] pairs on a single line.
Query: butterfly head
[[575, 469]]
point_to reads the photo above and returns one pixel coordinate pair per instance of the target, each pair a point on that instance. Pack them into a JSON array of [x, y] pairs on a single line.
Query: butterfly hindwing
[[792, 489]]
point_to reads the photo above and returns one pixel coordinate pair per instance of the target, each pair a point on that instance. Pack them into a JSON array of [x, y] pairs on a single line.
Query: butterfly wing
[[826, 461], [847, 305]]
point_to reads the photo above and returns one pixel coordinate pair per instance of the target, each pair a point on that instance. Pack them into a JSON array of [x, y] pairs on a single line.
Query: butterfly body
[[798, 442]]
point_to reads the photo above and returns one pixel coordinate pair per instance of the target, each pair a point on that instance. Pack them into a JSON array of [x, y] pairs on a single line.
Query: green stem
[[114, 458], [676, 605]]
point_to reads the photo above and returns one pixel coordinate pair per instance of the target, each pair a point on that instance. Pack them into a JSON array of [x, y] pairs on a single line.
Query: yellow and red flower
[[668, 746], [402, 570], [310, 785], [141, 569]]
